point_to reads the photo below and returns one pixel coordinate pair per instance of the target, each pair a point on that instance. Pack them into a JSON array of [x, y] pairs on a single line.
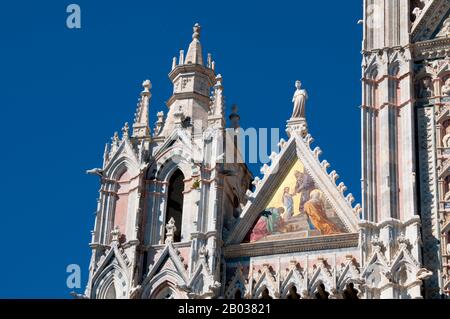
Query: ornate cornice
[[390, 222], [432, 49], [292, 246]]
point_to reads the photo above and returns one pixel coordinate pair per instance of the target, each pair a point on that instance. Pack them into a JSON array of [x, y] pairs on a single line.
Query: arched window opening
[[165, 292], [266, 294], [175, 203], [111, 292], [238, 294], [121, 207], [293, 293], [350, 292], [321, 293]]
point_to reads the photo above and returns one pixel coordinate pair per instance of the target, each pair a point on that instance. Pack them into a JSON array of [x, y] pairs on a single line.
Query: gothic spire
[[141, 126], [194, 54]]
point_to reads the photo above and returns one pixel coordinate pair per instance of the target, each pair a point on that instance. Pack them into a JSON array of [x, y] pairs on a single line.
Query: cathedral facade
[[179, 215]]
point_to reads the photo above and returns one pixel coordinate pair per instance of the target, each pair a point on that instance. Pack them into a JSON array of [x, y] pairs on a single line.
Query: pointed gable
[[296, 199]]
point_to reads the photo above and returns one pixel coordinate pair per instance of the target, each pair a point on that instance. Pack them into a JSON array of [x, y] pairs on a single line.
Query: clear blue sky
[[64, 92]]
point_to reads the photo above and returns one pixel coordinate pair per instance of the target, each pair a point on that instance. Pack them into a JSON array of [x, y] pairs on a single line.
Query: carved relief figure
[[447, 195], [445, 32], [446, 87], [448, 243], [270, 222], [446, 138], [426, 88], [299, 100]]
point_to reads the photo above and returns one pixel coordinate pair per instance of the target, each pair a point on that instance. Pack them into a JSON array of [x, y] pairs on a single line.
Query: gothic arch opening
[[111, 292], [175, 203], [165, 291], [121, 206]]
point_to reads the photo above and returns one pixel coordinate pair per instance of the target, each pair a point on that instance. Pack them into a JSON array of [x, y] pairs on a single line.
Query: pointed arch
[[237, 283], [294, 278], [166, 290], [120, 179], [175, 200], [320, 277], [265, 281], [166, 279], [111, 282], [158, 184]]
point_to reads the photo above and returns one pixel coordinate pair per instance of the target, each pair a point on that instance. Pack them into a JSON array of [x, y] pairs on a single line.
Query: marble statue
[[446, 138], [299, 100], [426, 89], [445, 31], [446, 88]]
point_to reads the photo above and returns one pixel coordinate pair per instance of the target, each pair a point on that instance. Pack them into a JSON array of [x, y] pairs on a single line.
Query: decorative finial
[[181, 59], [115, 138], [147, 85], [219, 80], [159, 123], [209, 61], [196, 34], [125, 130], [141, 123], [114, 143], [174, 63]]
